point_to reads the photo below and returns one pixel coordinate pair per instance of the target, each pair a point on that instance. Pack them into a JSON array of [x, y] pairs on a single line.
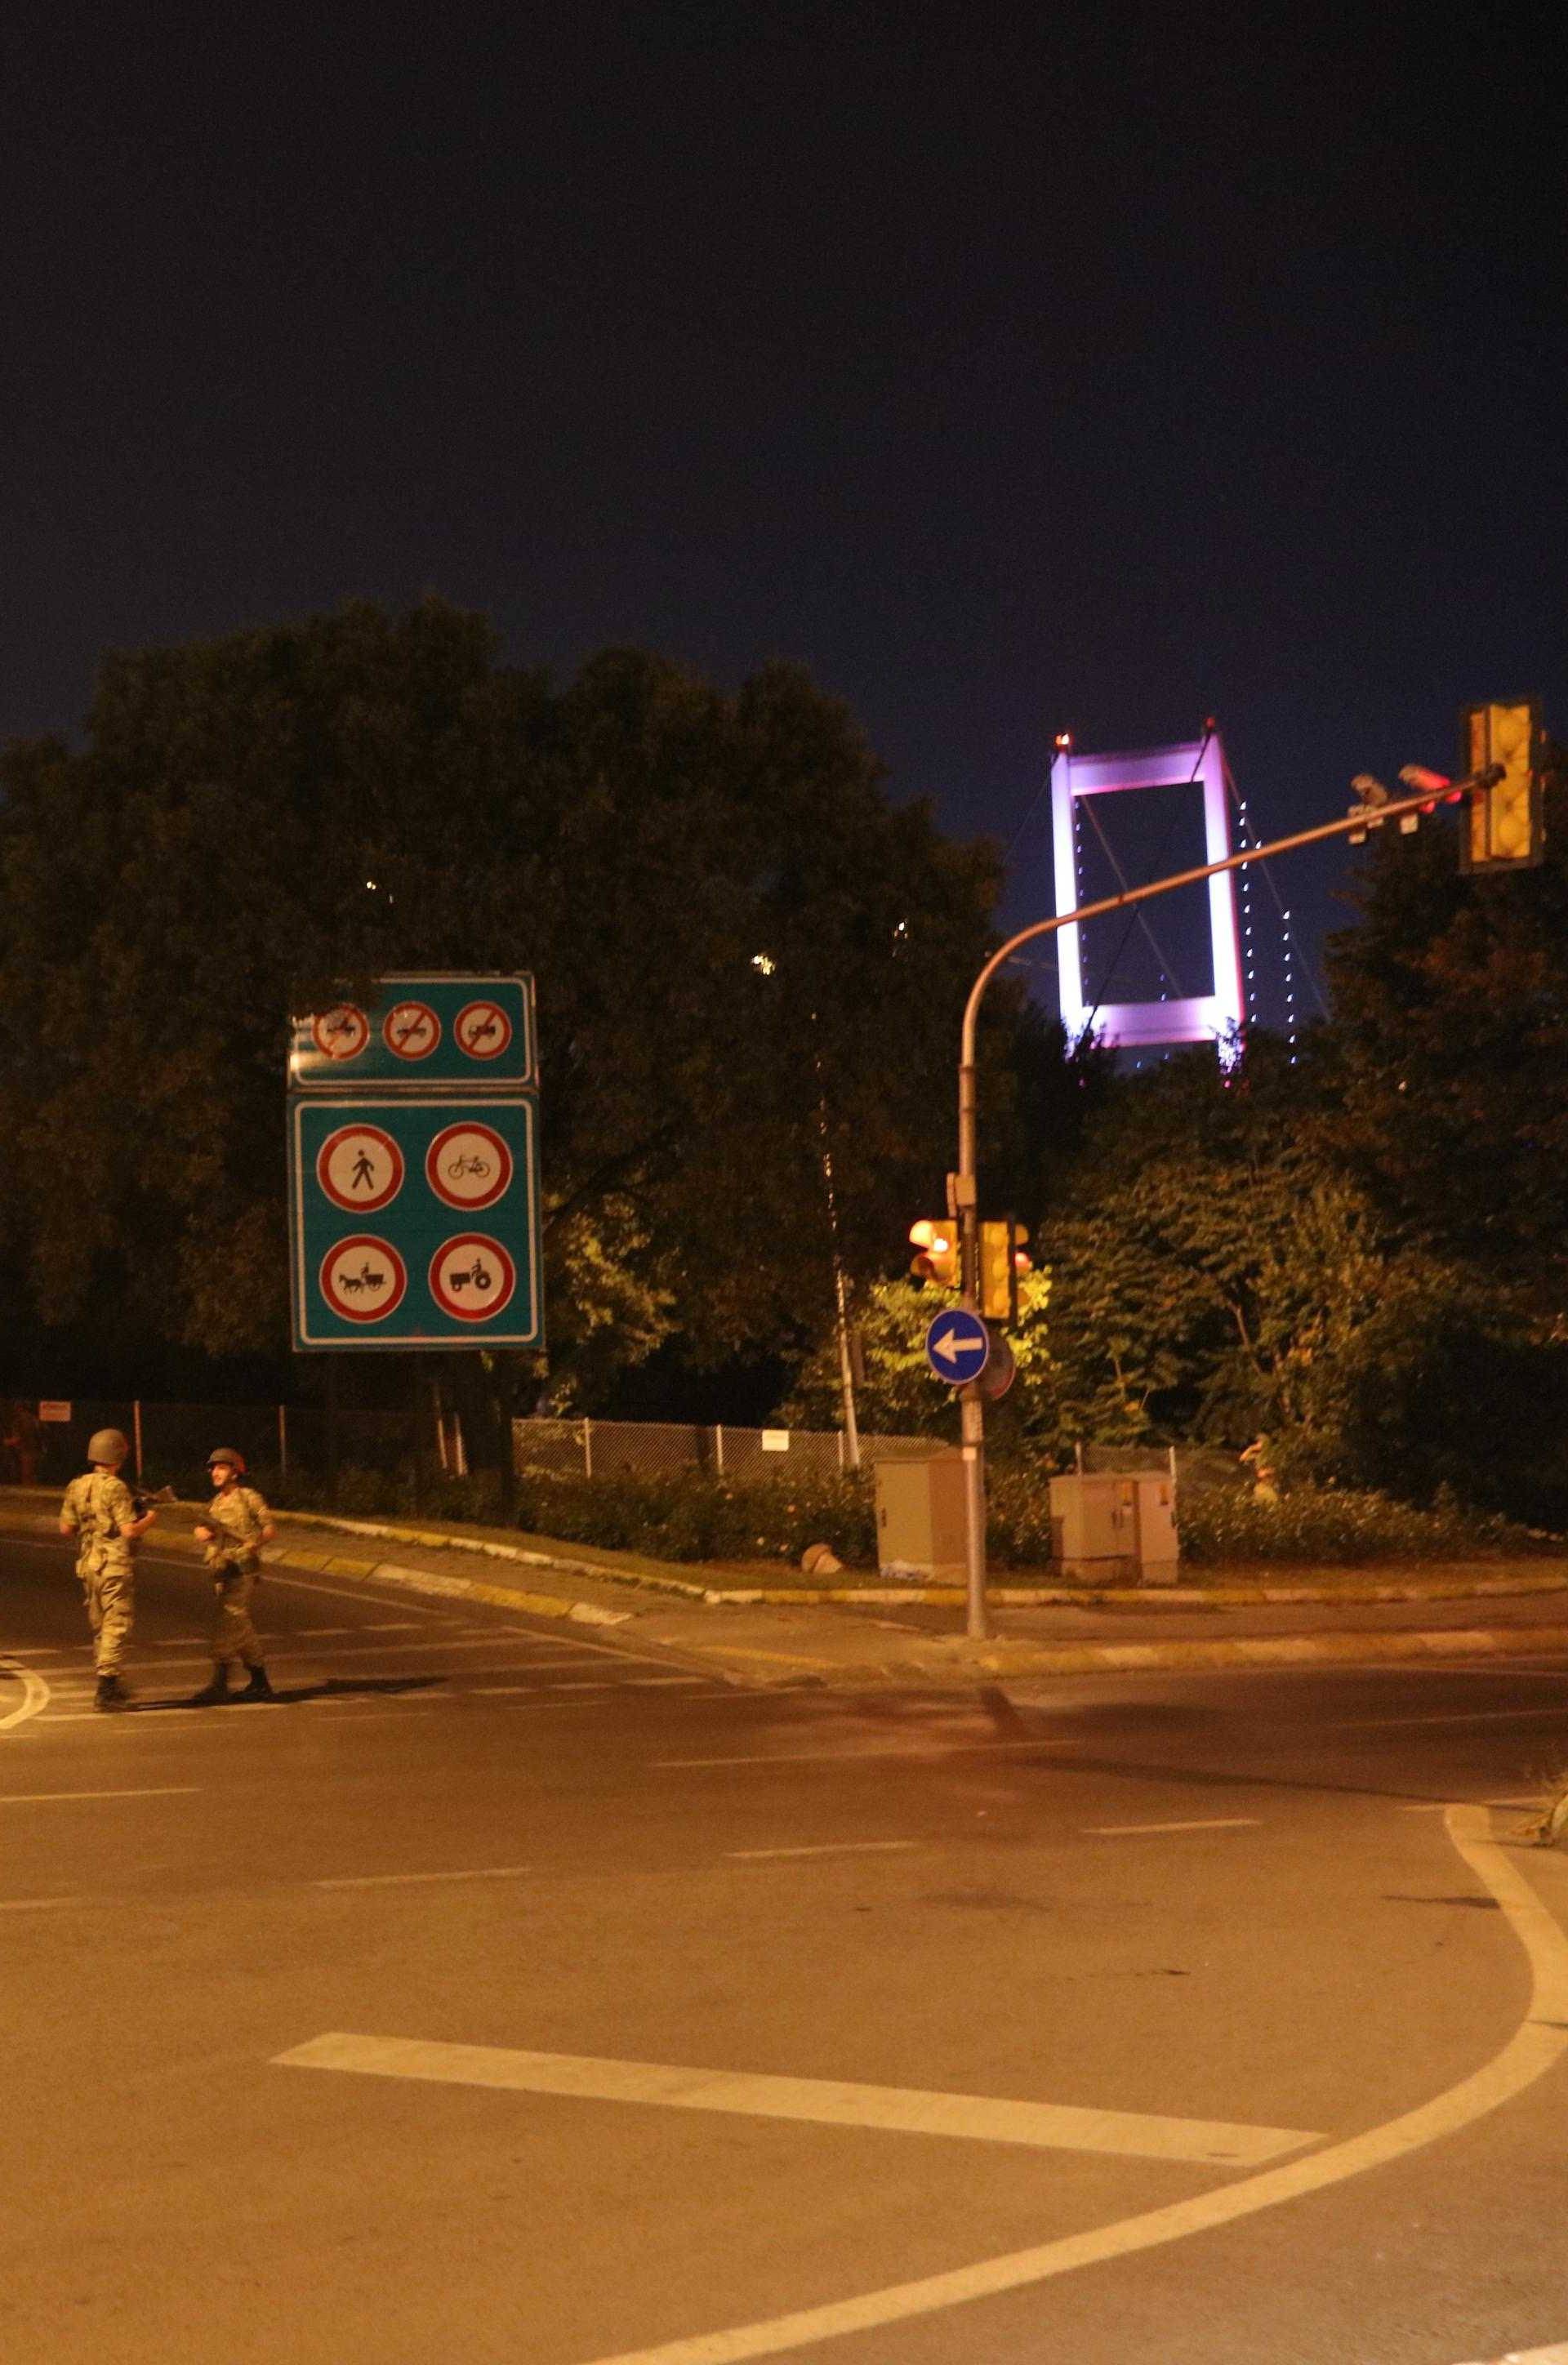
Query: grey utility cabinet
[[1112, 1527], [920, 1517]]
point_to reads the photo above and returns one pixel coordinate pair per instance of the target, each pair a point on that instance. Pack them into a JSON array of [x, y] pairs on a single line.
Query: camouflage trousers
[[110, 1595], [234, 1635]]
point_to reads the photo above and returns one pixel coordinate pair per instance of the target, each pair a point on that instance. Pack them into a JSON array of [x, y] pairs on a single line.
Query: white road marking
[[831, 1847], [918, 1753], [392, 1625], [392, 1880], [31, 1904], [35, 1698], [535, 1691], [646, 1682], [1536, 2046], [1446, 1716], [1556, 2355], [1133, 1831], [900, 2109], [38, 1797]]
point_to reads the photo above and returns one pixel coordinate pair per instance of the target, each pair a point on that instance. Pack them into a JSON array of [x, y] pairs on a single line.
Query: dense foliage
[[746, 955], [751, 963]]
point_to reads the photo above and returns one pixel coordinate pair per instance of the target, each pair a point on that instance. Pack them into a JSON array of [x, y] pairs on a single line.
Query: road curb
[[435, 1582], [951, 1660]]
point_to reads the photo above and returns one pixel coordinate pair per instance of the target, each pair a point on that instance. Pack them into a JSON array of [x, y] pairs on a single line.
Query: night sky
[[1014, 369]]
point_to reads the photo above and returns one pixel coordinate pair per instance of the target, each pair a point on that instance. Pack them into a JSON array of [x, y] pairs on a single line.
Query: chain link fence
[[170, 1443], [644, 1449]]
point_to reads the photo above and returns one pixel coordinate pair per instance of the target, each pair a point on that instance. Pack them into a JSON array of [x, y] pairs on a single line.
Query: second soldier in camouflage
[[237, 1524]]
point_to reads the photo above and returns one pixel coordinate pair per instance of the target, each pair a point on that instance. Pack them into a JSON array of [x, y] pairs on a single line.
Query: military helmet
[[229, 1453], [108, 1445]]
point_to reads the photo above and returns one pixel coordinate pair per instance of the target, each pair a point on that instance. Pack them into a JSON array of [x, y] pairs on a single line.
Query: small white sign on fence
[[776, 1440], [53, 1408]]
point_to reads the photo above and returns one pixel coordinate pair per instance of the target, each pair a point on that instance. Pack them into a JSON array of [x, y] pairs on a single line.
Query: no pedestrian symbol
[[957, 1346], [359, 1166]]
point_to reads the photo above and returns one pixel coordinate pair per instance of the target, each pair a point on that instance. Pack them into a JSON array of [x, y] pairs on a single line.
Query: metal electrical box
[[920, 1519], [1108, 1528]]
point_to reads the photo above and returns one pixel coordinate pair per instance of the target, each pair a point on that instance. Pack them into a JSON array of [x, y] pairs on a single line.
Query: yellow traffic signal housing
[[938, 1257], [1503, 824], [1002, 1260]]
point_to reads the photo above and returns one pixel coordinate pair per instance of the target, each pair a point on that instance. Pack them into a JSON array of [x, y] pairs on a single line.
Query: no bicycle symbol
[[472, 1276], [359, 1166], [364, 1279], [469, 1165]]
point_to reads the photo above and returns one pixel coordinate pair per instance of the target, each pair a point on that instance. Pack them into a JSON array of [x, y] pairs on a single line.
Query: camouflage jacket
[[240, 1514], [99, 1506]]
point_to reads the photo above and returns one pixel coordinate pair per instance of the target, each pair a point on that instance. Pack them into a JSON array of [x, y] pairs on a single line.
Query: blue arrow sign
[[957, 1346]]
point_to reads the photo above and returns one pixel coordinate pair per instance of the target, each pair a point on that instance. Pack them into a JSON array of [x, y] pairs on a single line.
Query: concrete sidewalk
[[874, 1636]]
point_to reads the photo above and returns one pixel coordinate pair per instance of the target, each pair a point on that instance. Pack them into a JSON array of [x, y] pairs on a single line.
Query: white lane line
[[1556, 2355], [831, 1848], [1536, 2046], [1133, 1831], [821, 2101], [917, 1754], [32, 1904], [35, 1698], [645, 1683], [535, 1691], [395, 1880], [1447, 1716], [39, 1798], [392, 1625]]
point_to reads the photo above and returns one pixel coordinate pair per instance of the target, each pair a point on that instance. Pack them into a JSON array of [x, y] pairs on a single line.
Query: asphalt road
[[1290, 2093]]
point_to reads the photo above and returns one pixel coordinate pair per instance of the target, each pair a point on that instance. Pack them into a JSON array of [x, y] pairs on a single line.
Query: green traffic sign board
[[415, 1223], [424, 1031]]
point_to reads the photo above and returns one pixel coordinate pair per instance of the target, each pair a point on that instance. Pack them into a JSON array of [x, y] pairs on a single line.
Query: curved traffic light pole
[[971, 1404]]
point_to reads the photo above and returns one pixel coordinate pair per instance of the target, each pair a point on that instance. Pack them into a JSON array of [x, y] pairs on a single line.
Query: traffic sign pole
[[963, 1185]]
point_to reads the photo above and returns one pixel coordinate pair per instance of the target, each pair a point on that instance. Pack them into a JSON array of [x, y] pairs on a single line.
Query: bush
[[1330, 1523], [689, 1516]]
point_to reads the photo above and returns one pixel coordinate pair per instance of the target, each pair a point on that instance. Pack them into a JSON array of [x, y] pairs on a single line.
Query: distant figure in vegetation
[[21, 1443], [1259, 1462]]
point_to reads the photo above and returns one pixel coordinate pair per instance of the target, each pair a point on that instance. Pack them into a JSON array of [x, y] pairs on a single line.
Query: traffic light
[[938, 1257], [1002, 1260], [1503, 824]]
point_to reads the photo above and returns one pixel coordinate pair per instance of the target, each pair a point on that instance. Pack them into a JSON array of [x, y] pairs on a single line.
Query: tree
[[1450, 1036], [745, 953]]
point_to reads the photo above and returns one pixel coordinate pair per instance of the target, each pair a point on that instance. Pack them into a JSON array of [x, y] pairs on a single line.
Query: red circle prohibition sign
[[368, 1179], [371, 1290], [340, 1033], [469, 1165], [472, 1277], [410, 1030], [482, 1029]]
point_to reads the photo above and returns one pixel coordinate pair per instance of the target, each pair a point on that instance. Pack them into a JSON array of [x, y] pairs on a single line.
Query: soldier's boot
[[258, 1688], [214, 1692], [111, 1693]]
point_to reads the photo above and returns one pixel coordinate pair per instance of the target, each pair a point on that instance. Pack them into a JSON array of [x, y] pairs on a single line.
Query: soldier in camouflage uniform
[[100, 1511], [236, 1525]]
